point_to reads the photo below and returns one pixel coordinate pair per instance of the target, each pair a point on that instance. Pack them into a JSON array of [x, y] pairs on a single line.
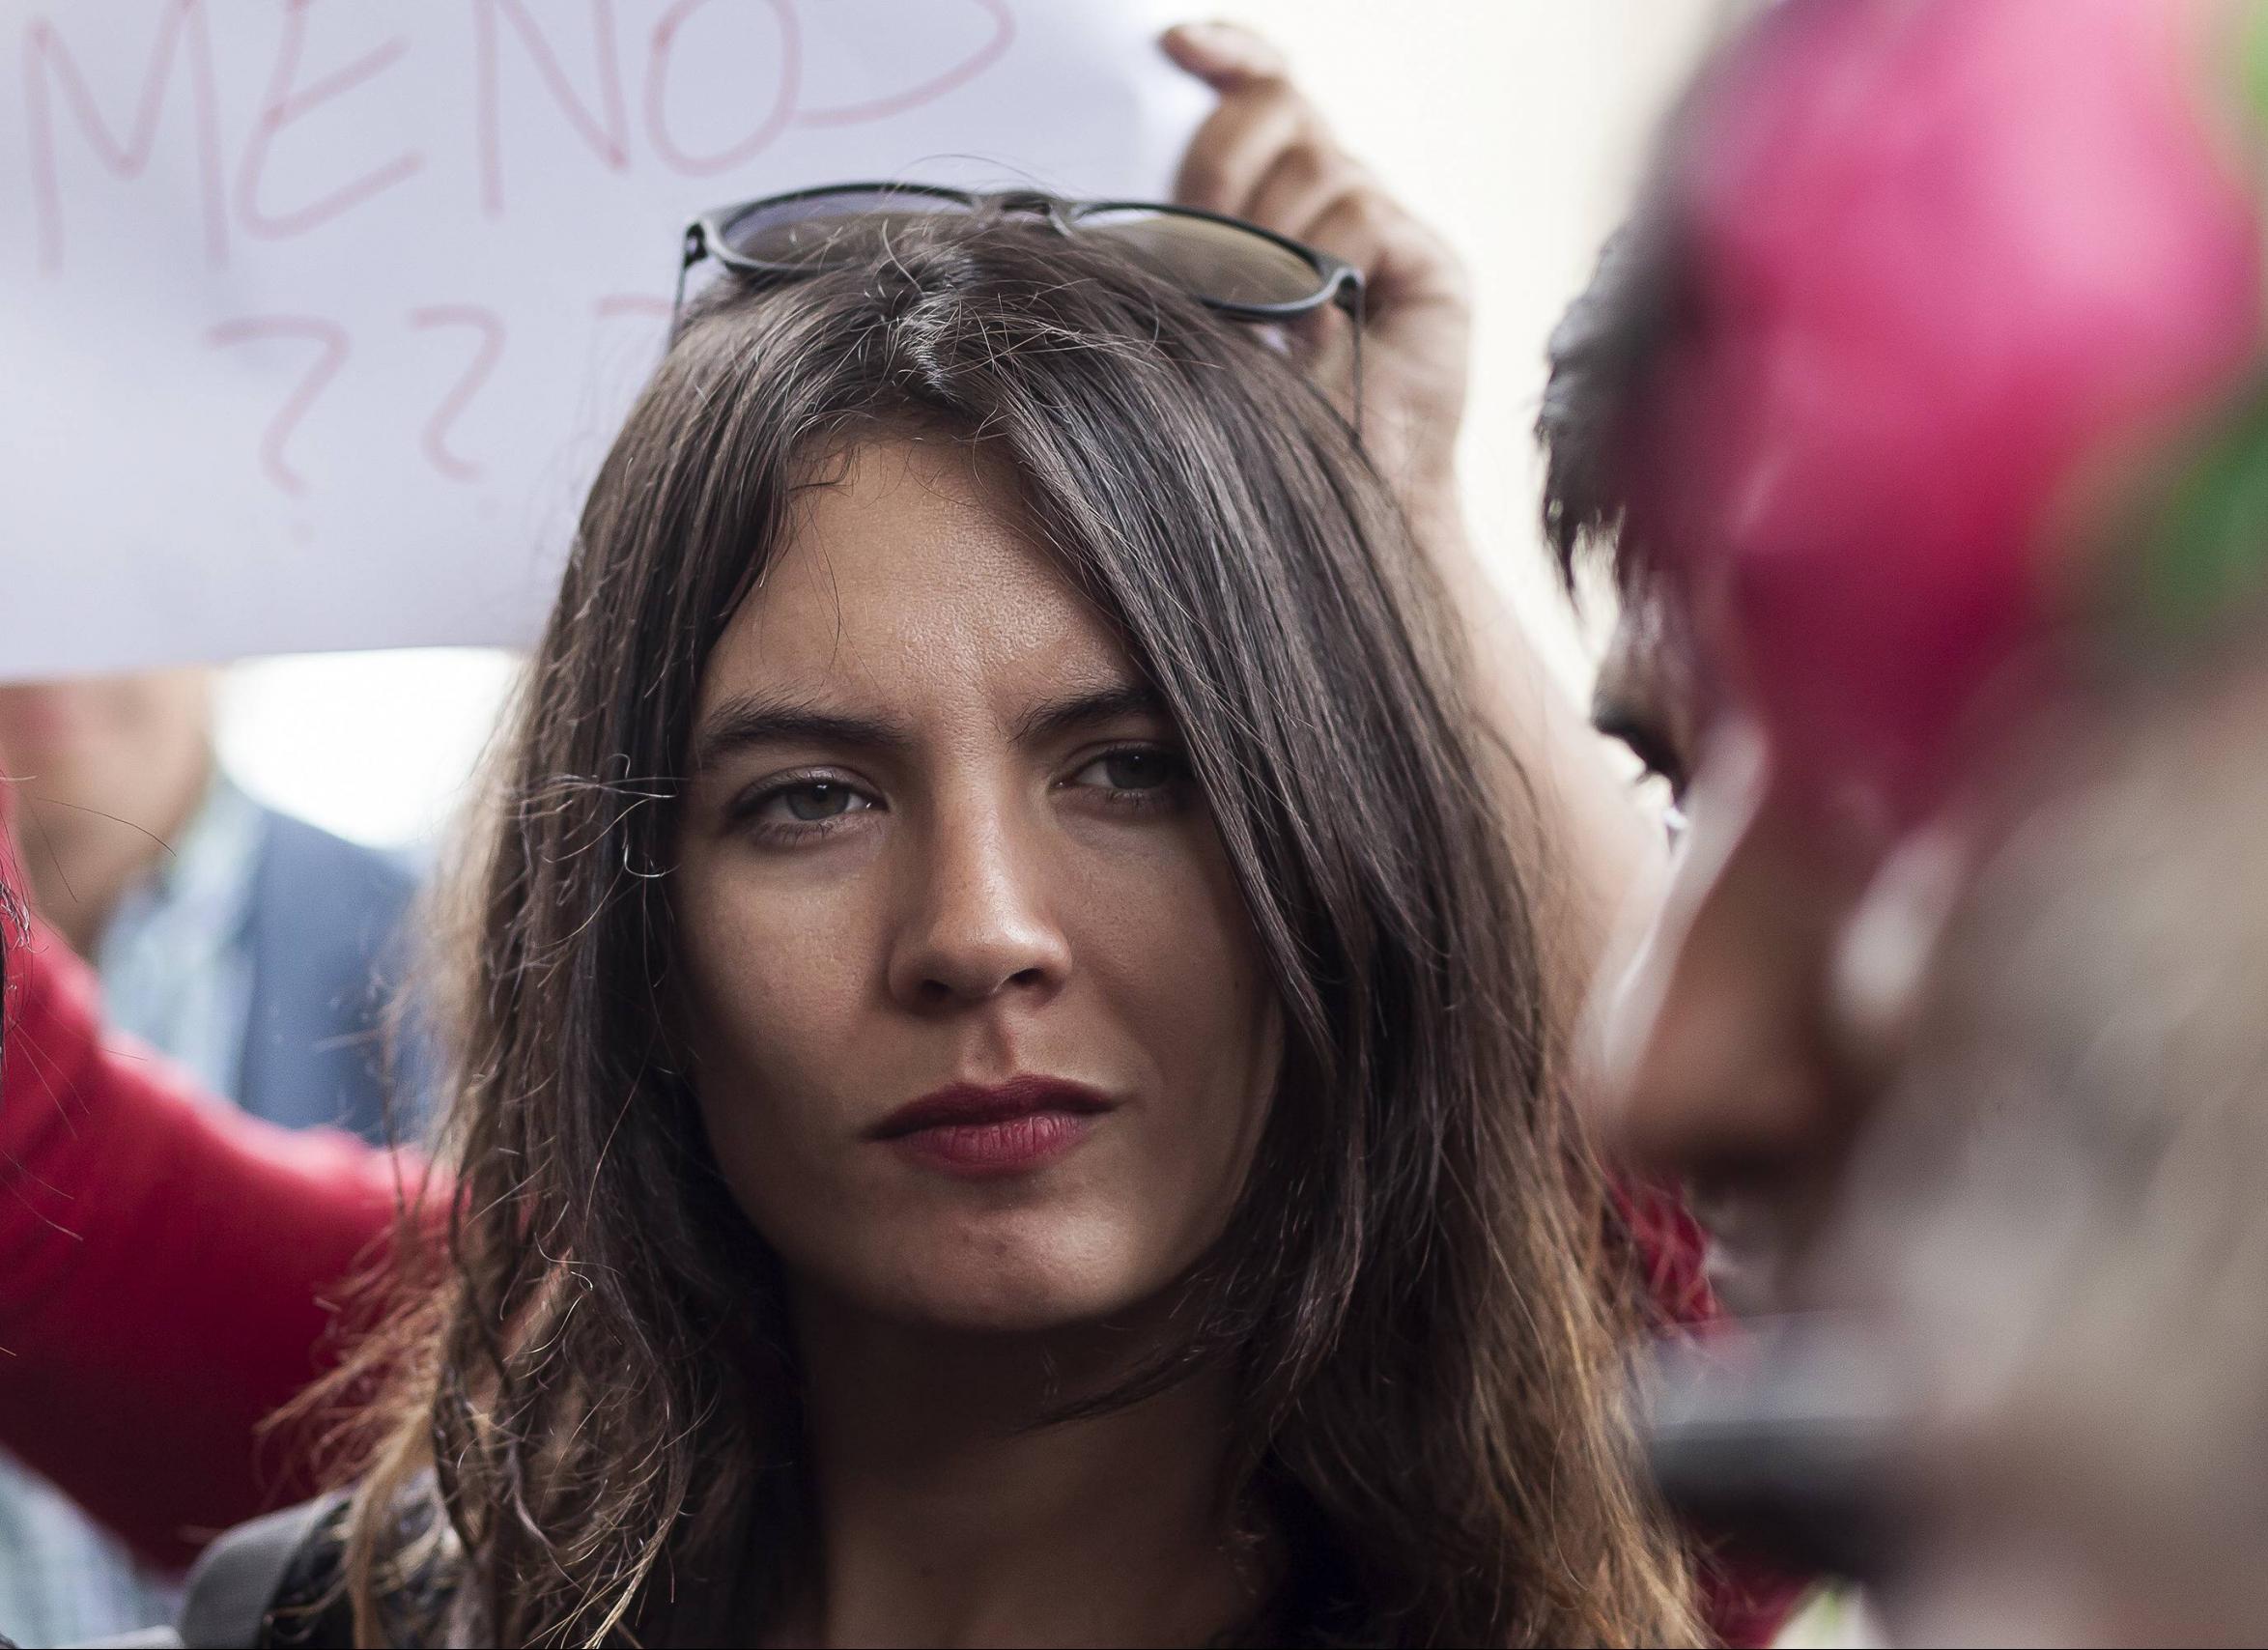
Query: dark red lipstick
[[995, 1129]]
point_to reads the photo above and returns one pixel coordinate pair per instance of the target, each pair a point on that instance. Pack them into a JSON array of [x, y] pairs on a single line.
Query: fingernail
[[1210, 39]]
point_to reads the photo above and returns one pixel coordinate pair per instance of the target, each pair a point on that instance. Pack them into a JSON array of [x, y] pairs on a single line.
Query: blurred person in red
[[244, 945], [1918, 415]]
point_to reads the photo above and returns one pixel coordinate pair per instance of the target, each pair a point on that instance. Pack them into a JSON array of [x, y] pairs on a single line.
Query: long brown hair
[[593, 1424]]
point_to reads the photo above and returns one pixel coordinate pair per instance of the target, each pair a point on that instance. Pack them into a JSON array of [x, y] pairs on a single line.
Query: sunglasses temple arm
[[696, 247], [1356, 311]]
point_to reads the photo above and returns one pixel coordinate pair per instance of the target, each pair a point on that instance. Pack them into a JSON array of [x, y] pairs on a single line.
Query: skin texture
[[1266, 155], [1726, 1049], [112, 766], [979, 903]]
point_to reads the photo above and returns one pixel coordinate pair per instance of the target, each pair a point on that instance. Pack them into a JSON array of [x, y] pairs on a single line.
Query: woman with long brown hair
[[1006, 1079], [1005, 1090]]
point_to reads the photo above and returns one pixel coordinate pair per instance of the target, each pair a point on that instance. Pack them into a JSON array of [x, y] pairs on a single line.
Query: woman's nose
[[980, 917]]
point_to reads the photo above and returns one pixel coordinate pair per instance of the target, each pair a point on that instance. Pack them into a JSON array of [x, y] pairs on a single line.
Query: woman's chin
[[1023, 1276], [971, 1313]]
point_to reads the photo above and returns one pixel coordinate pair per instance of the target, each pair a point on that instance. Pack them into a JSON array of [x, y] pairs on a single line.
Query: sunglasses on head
[[1235, 267]]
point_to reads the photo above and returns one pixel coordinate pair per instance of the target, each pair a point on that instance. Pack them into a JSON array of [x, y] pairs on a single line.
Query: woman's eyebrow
[[1056, 716], [751, 719]]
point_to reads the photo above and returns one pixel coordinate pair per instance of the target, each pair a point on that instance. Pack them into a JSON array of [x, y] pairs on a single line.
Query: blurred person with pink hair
[[1918, 414]]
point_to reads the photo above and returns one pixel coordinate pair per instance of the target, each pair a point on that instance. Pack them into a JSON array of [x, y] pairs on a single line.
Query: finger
[[1306, 180], [1223, 55], [1354, 229], [1400, 259], [1238, 142]]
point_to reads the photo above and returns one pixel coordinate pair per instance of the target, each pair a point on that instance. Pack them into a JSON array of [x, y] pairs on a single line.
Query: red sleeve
[[1743, 1603], [164, 1264]]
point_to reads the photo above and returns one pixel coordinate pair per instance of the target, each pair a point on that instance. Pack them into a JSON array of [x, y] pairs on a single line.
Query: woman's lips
[[999, 1129]]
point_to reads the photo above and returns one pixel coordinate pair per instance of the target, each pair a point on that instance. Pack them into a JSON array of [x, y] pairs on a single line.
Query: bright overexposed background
[[1515, 126]]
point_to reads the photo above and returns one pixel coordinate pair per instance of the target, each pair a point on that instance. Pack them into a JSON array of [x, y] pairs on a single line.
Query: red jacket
[[163, 1260]]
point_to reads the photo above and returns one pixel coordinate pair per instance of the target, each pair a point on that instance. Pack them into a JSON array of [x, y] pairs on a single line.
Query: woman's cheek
[[1180, 948], [777, 976]]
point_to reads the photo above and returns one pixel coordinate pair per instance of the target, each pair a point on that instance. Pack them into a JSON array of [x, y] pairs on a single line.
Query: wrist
[[1432, 498]]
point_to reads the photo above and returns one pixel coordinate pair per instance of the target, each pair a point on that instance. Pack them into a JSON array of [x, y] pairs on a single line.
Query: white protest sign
[[316, 316]]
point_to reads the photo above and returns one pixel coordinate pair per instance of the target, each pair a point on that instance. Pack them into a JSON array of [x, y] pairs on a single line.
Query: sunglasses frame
[[1337, 281]]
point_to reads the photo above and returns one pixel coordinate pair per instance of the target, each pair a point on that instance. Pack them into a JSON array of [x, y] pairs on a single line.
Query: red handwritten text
[[285, 103], [331, 342], [607, 132], [484, 354], [182, 30]]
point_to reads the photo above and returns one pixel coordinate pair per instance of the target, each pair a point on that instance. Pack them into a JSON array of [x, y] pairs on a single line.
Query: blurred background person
[[249, 947], [1843, 529], [1919, 412], [243, 943]]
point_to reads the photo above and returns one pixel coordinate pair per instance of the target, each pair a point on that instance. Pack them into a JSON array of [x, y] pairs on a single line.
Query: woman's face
[[982, 1034]]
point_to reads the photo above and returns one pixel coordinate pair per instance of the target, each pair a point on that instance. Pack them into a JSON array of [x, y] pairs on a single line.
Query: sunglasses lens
[[831, 230], [1224, 262]]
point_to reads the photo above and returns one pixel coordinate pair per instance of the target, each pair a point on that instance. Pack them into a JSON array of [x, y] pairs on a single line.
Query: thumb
[[1222, 55]]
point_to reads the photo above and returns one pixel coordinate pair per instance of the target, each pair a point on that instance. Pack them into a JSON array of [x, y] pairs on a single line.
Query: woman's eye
[[1134, 778], [820, 799], [1131, 770], [1134, 770], [796, 808]]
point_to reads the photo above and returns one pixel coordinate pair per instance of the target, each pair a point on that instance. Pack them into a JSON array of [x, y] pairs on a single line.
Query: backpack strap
[[241, 1579]]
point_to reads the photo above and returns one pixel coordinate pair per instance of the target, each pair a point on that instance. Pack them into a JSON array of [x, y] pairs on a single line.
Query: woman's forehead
[[910, 574]]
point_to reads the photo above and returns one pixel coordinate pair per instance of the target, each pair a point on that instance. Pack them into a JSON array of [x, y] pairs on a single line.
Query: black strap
[[235, 1583]]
